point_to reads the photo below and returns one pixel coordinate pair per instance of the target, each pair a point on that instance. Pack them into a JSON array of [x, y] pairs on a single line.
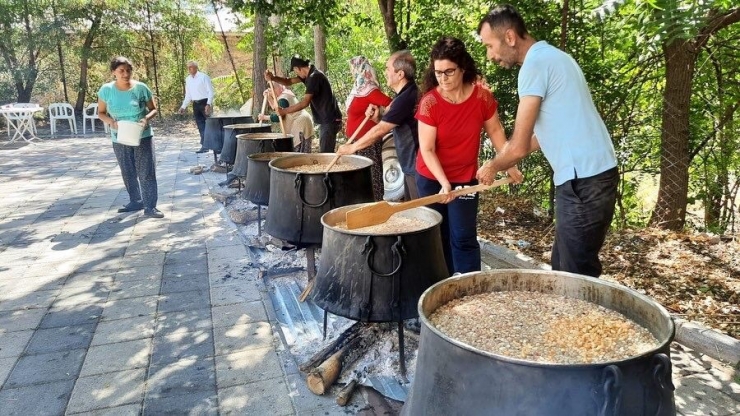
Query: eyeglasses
[[447, 72]]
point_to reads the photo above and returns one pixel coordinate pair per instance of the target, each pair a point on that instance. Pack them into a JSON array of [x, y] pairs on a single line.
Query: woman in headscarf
[[366, 91], [299, 124]]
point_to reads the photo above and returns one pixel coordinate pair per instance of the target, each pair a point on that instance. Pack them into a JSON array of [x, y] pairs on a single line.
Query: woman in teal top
[[130, 100]]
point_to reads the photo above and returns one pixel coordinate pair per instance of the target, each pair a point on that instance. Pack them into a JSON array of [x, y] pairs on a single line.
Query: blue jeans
[[138, 171], [459, 226], [584, 208], [199, 111]]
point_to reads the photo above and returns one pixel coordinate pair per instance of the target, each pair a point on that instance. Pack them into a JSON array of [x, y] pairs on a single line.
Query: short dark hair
[[504, 16], [404, 61], [298, 62], [118, 61], [451, 49]]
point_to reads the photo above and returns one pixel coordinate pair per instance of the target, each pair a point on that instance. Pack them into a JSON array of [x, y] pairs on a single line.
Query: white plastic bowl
[[129, 133]]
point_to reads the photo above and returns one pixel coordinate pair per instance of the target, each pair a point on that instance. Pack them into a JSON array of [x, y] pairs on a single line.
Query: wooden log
[[322, 377], [333, 347], [345, 394]]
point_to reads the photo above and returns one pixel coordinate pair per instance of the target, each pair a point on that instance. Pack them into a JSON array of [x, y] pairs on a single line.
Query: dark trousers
[[138, 171], [584, 208], [409, 189], [459, 226], [199, 111], [328, 136]]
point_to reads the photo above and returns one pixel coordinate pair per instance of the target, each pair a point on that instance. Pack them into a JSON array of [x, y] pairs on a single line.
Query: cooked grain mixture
[[321, 167], [396, 224], [542, 327]]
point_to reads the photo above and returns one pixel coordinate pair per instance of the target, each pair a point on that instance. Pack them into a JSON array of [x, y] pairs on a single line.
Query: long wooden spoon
[[380, 212], [351, 139]]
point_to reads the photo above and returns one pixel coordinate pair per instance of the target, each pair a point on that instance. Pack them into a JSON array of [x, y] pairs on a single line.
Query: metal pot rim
[[662, 343], [245, 125], [426, 210], [262, 136], [267, 156], [329, 156]]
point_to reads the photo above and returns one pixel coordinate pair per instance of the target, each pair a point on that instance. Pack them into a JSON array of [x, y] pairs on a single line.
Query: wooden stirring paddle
[[380, 212], [351, 139], [275, 103]]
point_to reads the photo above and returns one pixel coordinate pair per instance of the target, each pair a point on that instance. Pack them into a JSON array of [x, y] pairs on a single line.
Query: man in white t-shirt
[[199, 90], [556, 114]]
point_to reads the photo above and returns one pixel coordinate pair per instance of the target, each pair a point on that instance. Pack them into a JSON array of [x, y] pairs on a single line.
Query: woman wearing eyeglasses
[[452, 112]]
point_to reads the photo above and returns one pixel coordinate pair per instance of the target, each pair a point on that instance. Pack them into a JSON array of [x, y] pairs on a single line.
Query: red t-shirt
[[458, 132], [357, 108]]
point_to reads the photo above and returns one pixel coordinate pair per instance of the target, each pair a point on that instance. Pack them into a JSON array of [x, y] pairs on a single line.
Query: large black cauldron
[[257, 186], [251, 143], [299, 199], [214, 134], [455, 378], [231, 131], [378, 277]]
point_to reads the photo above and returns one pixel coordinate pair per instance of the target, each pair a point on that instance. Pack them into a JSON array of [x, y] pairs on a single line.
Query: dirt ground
[[694, 276]]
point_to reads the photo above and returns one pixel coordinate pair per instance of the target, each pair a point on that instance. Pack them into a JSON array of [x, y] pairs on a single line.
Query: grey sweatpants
[[137, 165]]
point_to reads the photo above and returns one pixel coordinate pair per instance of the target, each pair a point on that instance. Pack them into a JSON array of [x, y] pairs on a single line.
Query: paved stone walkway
[[107, 313]]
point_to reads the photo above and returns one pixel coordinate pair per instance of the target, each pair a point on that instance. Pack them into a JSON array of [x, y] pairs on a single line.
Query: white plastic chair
[[91, 113], [23, 121], [62, 111]]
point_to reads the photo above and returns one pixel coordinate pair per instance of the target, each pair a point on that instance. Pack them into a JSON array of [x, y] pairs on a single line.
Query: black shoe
[[131, 207], [201, 150], [153, 213]]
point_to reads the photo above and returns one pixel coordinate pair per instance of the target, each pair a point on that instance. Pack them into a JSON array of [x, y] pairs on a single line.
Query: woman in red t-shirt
[[366, 91], [451, 114]]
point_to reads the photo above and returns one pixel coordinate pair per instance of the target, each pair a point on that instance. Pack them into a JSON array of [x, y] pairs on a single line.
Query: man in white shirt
[[199, 90]]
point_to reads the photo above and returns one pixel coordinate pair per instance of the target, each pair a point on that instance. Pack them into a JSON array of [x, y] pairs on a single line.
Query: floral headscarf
[[365, 79]]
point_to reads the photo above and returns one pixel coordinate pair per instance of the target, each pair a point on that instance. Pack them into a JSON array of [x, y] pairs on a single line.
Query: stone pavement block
[[185, 376], [190, 255], [127, 274], [182, 301], [125, 410], [20, 320], [89, 279], [127, 329], [107, 390], [60, 339], [129, 308], [228, 275], [41, 399], [238, 313], [135, 289], [46, 368], [185, 283], [81, 295], [694, 398], [268, 397], [243, 337], [247, 367], [308, 403], [119, 356], [6, 365], [106, 264], [71, 316], [41, 299], [12, 344], [142, 260], [186, 268], [235, 293], [18, 283], [194, 403], [180, 345], [183, 321]]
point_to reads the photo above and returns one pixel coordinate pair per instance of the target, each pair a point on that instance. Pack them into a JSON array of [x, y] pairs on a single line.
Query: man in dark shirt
[[319, 95], [400, 70]]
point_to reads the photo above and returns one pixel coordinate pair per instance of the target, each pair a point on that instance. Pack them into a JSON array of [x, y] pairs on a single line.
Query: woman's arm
[[104, 116], [152, 107], [428, 151], [496, 133]]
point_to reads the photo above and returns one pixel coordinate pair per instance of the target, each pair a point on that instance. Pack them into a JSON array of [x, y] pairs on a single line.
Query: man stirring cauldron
[[319, 96], [556, 113]]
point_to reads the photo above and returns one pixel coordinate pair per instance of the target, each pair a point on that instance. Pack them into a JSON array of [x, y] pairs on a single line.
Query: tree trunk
[[319, 48], [84, 63], [259, 59], [228, 51], [670, 209], [153, 51], [387, 10]]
